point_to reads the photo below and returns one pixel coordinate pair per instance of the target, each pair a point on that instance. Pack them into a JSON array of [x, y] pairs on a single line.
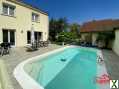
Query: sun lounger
[[32, 47]]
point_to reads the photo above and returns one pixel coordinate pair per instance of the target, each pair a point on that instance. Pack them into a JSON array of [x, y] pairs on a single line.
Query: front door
[[9, 36]]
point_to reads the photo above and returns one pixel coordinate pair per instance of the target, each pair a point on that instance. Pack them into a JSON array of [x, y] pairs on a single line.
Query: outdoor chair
[[41, 44], [1, 50], [82, 43], [45, 43], [5, 48], [32, 47], [38, 44], [88, 44]]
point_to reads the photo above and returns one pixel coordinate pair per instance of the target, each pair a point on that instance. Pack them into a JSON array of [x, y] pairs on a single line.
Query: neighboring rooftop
[[99, 26], [28, 5]]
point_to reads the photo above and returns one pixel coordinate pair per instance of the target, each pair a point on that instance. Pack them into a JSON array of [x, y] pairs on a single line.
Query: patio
[[17, 55], [112, 63]]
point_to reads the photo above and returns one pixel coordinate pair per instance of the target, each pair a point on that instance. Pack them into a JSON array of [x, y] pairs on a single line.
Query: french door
[[37, 36], [9, 36]]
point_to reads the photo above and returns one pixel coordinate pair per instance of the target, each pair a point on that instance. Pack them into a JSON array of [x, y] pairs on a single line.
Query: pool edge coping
[[23, 78]]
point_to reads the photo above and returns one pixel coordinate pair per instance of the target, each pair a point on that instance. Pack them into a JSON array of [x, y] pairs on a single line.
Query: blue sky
[[79, 10]]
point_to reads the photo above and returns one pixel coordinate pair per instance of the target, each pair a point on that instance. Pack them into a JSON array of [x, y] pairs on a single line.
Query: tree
[[62, 24], [75, 28], [52, 29], [67, 37], [57, 26]]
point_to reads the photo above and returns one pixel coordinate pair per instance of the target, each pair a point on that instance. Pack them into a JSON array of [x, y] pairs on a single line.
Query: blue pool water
[[77, 72]]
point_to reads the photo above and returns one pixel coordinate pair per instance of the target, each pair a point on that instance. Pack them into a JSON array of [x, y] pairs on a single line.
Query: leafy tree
[[52, 29], [75, 28], [62, 23], [57, 26], [66, 37]]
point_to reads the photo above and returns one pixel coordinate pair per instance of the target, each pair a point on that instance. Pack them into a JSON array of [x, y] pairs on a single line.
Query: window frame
[[9, 6], [35, 17]]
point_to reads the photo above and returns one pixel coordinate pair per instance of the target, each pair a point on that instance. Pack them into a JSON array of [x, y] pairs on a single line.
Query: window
[[35, 17], [5, 9], [11, 11], [8, 9]]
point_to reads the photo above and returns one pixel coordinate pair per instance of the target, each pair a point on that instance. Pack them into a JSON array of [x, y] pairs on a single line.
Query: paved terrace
[[17, 55], [112, 63]]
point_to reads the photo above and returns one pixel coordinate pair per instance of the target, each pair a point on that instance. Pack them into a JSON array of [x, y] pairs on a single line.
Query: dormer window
[[8, 9], [35, 17]]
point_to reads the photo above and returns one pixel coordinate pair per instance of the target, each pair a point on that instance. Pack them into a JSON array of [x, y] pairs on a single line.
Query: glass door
[[28, 37], [5, 35], [37, 36], [9, 36], [12, 37]]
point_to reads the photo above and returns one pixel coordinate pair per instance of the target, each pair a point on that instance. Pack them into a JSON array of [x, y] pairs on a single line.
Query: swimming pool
[[72, 68], [68, 68]]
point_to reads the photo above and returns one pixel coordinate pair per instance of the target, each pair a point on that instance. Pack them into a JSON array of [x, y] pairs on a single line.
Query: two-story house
[[16, 21]]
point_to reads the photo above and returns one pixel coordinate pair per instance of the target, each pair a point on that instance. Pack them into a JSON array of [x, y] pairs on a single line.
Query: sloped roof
[[21, 2], [99, 26]]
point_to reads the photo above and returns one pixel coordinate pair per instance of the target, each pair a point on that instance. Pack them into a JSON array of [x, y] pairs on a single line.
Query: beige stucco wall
[[94, 38], [86, 37], [116, 42], [22, 22], [83, 36], [93, 35]]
